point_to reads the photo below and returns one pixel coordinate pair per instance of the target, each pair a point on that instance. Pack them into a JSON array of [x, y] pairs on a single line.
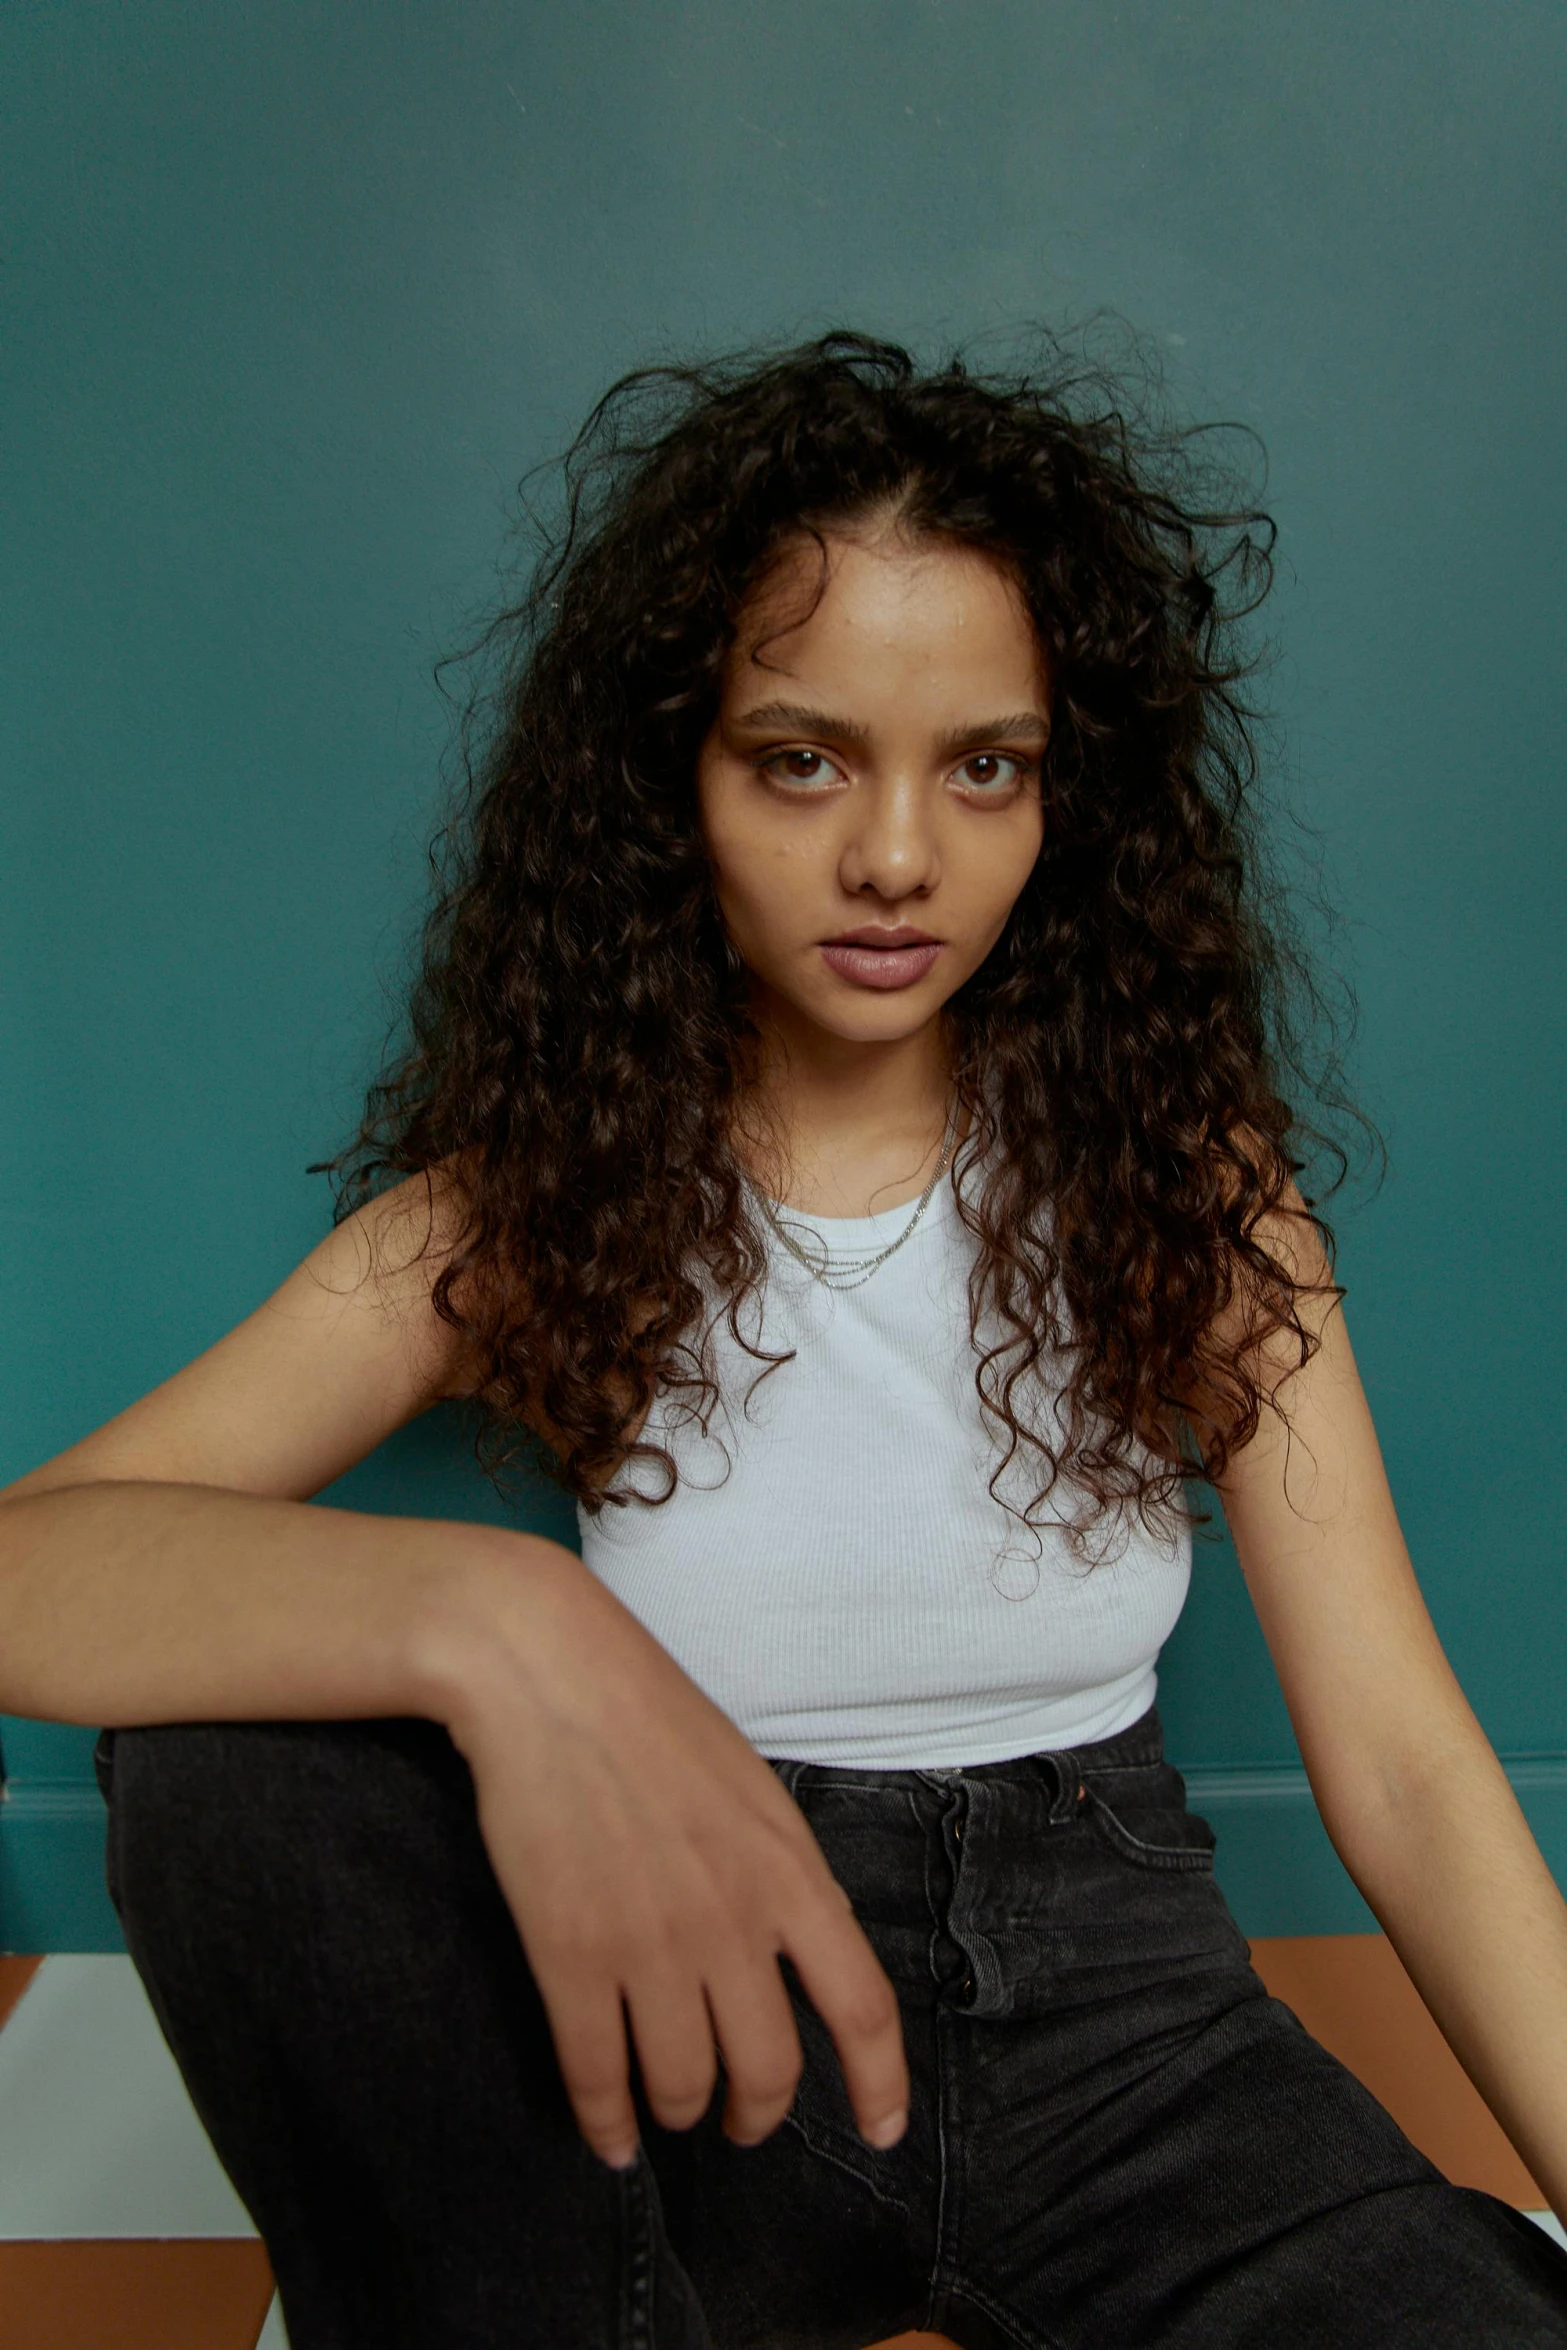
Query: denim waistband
[[1139, 1747]]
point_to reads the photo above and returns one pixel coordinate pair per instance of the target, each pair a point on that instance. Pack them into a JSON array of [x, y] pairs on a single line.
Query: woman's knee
[[261, 1830]]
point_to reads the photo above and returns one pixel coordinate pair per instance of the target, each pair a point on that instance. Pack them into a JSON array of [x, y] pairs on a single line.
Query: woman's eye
[[991, 770], [798, 767]]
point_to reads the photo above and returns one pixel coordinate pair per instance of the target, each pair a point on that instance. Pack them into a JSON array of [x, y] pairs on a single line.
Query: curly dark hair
[[579, 1032]]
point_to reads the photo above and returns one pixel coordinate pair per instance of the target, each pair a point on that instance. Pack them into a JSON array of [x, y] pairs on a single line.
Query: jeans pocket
[[1150, 1836], [822, 2117]]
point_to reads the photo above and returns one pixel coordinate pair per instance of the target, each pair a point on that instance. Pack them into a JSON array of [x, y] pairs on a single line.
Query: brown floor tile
[[161, 2296], [15, 1975], [133, 2296], [1352, 1993]]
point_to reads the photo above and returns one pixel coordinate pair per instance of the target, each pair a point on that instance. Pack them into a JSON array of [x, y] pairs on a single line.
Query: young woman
[[843, 1126]]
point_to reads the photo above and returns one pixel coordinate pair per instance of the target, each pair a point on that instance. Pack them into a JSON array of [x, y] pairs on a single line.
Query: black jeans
[[1116, 2137]]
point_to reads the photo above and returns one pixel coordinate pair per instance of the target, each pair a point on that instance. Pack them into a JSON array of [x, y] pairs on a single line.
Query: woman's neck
[[846, 1129]]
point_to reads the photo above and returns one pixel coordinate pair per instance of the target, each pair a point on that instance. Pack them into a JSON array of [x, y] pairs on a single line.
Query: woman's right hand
[[170, 1567], [654, 1864]]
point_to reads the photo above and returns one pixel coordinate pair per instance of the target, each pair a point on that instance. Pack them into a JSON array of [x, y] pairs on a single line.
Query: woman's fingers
[[755, 2026], [732, 2004], [710, 1991], [747, 2012], [588, 2026], [846, 1984], [674, 2041], [683, 1872], [678, 2029]]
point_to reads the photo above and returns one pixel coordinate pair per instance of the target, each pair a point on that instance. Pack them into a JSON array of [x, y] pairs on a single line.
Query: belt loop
[[1069, 1793]]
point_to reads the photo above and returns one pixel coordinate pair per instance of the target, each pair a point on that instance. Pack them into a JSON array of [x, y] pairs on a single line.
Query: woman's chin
[[867, 1016]]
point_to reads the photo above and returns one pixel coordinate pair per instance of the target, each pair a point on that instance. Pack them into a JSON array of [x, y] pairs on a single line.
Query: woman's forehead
[[857, 608]]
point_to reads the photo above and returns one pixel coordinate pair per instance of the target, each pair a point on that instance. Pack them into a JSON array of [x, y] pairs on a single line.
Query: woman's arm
[[170, 1568], [1414, 1799]]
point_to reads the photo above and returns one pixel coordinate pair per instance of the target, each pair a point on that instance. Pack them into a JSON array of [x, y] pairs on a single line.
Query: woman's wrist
[[480, 1621]]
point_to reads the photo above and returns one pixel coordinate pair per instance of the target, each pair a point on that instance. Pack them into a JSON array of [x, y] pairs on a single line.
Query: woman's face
[[871, 796]]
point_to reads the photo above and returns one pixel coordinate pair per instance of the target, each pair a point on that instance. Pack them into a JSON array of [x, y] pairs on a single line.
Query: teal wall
[[296, 292]]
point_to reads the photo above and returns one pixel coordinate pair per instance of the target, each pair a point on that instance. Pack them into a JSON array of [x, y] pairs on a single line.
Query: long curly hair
[[577, 1038]]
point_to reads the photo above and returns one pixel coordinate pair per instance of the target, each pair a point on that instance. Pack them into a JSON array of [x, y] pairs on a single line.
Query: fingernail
[[888, 2131]]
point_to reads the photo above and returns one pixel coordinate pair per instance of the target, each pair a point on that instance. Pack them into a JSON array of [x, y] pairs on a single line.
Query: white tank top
[[832, 1568]]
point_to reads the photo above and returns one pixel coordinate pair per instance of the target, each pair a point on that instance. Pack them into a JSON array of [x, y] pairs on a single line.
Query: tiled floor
[[118, 2230]]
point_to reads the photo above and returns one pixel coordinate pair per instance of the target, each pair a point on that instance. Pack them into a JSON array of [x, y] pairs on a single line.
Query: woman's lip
[[881, 967], [878, 934]]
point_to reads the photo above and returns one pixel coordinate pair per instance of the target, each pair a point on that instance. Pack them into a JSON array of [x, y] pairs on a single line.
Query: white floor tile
[[272, 2336], [97, 2135]]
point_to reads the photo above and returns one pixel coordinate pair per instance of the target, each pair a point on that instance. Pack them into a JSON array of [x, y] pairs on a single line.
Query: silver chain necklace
[[849, 1272]]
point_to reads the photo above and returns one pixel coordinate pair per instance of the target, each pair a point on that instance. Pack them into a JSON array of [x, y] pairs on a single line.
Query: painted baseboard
[[52, 1891], [1279, 1872]]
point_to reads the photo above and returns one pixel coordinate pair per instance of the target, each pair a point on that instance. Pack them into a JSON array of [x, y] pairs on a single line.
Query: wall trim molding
[[1529, 1771], [1266, 1783], [50, 1799], [1532, 1773]]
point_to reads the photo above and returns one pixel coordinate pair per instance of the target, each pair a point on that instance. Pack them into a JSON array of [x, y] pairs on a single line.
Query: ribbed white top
[[832, 1568]]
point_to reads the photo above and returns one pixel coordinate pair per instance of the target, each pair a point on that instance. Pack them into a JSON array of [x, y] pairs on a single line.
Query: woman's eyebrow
[[799, 720], [1016, 726], [1019, 726]]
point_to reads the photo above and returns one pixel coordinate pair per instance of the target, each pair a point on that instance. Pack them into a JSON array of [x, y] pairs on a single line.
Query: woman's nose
[[891, 843]]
